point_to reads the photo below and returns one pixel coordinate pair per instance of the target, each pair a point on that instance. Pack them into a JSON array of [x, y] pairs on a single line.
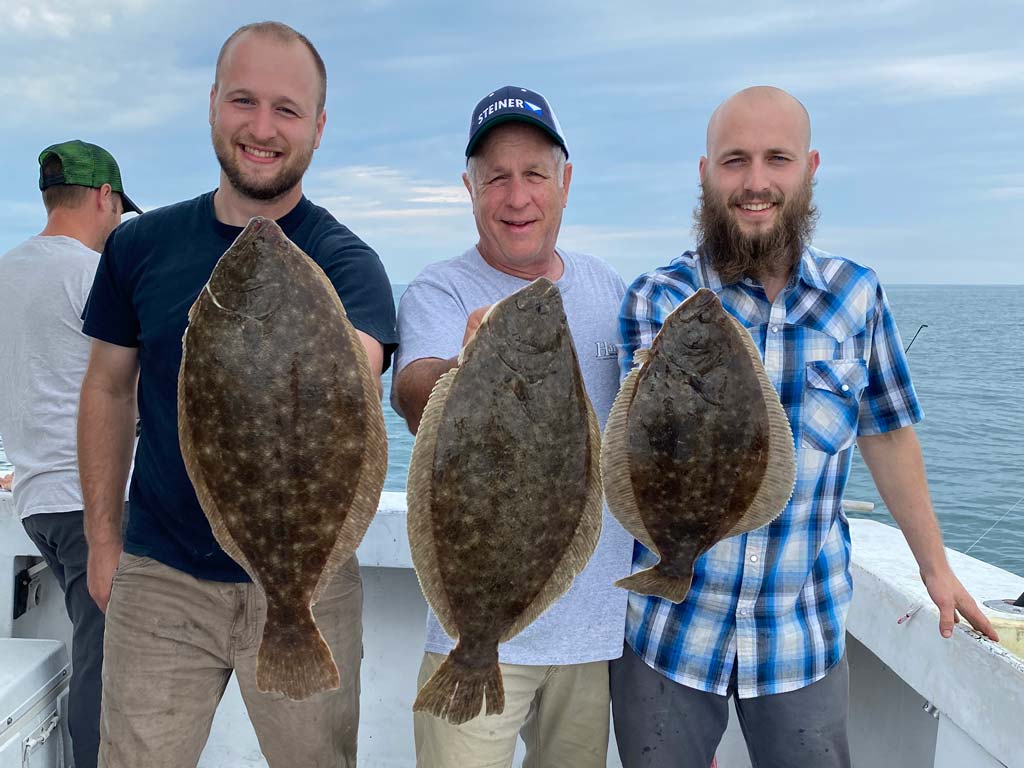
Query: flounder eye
[[705, 316], [543, 309]]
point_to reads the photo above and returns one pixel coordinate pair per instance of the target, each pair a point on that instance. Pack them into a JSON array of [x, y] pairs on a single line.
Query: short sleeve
[[646, 304], [889, 401], [109, 312], [364, 289], [431, 323]]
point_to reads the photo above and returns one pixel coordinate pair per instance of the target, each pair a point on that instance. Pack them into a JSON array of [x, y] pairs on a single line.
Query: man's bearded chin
[[269, 189], [736, 255]]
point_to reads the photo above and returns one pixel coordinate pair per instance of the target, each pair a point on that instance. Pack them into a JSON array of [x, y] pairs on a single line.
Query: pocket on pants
[[129, 562]]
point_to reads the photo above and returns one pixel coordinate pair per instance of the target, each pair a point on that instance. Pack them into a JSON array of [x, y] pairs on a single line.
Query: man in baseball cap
[[44, 285], [555, 672], [512, 104], [82, 165]]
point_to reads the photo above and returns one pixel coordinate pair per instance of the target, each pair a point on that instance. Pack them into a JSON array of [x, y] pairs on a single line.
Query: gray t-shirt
[[587, 623], [44, 284]]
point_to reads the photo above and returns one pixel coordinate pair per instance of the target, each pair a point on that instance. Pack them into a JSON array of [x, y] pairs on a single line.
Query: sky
[[917, 109]]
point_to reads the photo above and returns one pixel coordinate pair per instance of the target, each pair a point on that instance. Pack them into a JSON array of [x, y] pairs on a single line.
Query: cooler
[[34, 676]]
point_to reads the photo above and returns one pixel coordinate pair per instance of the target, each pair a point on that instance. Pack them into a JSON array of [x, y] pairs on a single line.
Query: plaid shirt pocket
[[831, 402]]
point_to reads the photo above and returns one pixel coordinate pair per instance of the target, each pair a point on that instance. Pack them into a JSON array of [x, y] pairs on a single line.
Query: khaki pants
[[171, 644], [561, 713]]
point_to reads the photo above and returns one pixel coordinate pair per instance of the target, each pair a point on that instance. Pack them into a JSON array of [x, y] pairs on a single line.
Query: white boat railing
[[916, 699]]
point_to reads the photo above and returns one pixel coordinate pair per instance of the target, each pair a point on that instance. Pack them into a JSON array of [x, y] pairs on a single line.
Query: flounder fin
[[651, 582], [457, 693], [295, 660], [584, 541], [419, 520], [374, 466], [780, 474], [618, 483]]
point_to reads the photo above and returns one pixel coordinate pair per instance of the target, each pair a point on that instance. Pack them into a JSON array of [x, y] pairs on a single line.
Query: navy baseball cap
[[513, 104]]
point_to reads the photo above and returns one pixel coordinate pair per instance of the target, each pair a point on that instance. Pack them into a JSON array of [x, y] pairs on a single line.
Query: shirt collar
[[809, 272]]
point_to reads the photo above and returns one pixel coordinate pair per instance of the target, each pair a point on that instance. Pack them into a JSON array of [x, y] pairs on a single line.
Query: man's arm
[[375, 353], [414, 383], [106, 437], [897, 466]]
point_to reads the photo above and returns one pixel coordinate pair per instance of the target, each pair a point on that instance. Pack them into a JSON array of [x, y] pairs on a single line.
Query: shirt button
[[743, 611], [775, 329], [845, 387], [753, 558]]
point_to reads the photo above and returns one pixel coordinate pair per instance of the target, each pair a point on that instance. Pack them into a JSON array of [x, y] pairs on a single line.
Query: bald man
[[765, 618]]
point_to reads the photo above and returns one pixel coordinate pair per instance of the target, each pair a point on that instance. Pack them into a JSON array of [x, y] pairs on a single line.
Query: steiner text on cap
[[506, 104]]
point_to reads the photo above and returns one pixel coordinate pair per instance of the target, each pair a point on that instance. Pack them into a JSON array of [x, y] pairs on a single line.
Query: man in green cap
[[44, 283]]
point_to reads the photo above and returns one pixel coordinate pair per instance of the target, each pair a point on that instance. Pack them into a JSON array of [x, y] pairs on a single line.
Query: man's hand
[[6, 481], [100, 570], [897, 466], [414, 383], [473, 324], [953, 601]]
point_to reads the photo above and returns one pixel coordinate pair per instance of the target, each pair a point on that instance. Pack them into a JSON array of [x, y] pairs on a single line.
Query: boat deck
[[916, 700]]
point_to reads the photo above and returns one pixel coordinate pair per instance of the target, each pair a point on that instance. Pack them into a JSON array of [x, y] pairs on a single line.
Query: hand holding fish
[[472, 323], [954, 601]]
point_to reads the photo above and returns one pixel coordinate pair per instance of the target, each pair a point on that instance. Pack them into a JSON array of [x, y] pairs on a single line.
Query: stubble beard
[[264, 190], [735, 254]]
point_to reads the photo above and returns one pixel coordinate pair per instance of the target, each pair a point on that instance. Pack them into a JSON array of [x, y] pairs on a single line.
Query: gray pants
[[662, 724], [60, 538]]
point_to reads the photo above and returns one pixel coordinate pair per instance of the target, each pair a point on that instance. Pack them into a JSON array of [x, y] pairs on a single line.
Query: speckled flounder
[[282, 433], [504, 492], [697, 446]]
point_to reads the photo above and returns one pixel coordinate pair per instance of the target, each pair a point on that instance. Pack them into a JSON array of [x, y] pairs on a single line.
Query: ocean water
[[966, 365]]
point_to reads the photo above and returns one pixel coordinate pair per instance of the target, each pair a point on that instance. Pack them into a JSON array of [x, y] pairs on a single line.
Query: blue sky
[[917, 109]]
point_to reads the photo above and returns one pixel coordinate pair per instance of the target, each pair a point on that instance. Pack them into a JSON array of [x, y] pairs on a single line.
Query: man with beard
[[765, 618], [181, 614]]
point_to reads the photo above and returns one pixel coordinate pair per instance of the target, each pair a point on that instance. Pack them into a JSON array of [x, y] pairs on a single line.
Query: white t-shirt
[[587, 623], [44, 284]]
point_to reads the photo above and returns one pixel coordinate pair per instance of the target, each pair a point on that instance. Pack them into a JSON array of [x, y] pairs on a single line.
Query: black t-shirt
[[151, 271]]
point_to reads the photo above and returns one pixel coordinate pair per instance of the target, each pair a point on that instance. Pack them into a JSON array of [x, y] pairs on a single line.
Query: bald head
[[761, 105]]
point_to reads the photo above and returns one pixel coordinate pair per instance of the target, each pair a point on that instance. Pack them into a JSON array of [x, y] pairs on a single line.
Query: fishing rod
[[907, 348], [1019, 602]]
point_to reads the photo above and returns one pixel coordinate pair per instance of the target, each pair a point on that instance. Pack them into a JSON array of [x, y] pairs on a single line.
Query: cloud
[[1007, 187], [656, 24], [61, 19], [375, 192], [410, 221], [108, 97], [630, 250], [916, 78]]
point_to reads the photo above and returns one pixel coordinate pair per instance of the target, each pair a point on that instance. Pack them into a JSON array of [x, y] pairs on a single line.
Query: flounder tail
[[295, 660], [457, 693], [653, 582]]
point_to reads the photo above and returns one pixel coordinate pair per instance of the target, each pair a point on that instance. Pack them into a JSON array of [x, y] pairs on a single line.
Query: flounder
[[282, 433], [697, 446], [504, 492]]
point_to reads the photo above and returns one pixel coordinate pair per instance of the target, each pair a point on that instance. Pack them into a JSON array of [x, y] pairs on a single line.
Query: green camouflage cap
[[85, 165]]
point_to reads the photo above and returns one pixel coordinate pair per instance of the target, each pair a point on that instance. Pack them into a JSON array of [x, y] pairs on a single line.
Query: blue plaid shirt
[[770, 606]]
